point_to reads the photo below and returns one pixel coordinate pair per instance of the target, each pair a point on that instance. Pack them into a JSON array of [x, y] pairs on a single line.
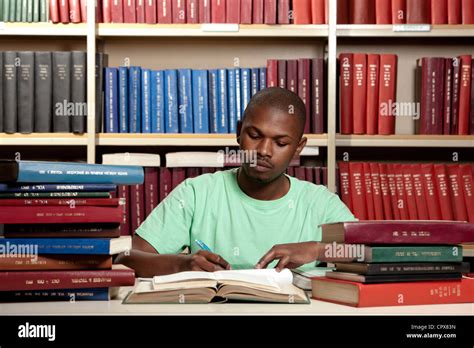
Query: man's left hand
[[290, 255]]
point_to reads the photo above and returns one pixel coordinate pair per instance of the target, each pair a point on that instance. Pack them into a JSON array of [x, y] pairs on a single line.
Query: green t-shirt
[[213, 209]]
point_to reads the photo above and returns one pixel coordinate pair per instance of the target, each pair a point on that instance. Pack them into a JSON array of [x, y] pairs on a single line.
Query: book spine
[[455, 95], [55, 194], [99, 91], [61, 91], [137, 206], [346, 93], [254, 81], [238, 93], [387, 93], [416, 254], [107, 11], [178, 10], [205, 11], [281, 73], [318, 12], [177, 177], [304, 89], [171, 103], [200, 101], [44, 11], [245, 90], [150, 12], [63, 11], [90, 294], [384, 187], [232, 104], [63, 246], [10, 73], [140, 11], [60, 262], [245, 12], [257, 12], [448, 86], [302, 12], [123, 106], [418, 11], [56, 188], [218, 11], [213, 101], [78, 91], [420, 199], [439, 12], [1, 87], [130, 12], [292, 75], [145, 101], [457, 194], [360, 93], [409, 191], [63, 201], [466, 174], [465, 94], [25, 92], [345, 180], [373, 69], [83, 11], [367, 187], [157, 102], [357, 190], [111, 98], [444, 196], [43, 93], [383, 12], [165, 183], [401, 193], [74, 11], [318, 95], [467, 12], [431, 191], [151, 190], [283, 11], [392, 186], [376, 190], [272, 73], [270, 11], [192, 11], [117, 11], [262, 78], [471, 113], [233, 11], [454, 12], [363, 11], [399, 11], [185, 106], [134, 104]]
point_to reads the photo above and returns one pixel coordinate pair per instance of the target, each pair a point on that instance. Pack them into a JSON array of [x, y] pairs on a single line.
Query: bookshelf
[[170, 46]]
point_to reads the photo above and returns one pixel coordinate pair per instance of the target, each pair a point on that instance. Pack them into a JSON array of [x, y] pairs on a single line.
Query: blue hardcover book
[[171, 103], [232, 101], [146, 101], [89, 294], [32, 172], [213, 101], [263, 78], [73, 246], [246, 90], [123, 99], [15, 188], [111, 100], [223, 111], [238, 94], [134, 102], [200, 101], [185, 108], [255, 84], [157, 102]]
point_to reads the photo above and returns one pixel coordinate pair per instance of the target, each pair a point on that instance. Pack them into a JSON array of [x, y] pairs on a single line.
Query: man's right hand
[[204, 261]]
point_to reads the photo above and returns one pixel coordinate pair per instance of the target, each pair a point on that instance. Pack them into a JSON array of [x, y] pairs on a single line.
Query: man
[[250, 217]]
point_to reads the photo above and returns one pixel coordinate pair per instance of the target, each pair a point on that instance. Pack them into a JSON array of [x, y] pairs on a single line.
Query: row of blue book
[[139, 100]]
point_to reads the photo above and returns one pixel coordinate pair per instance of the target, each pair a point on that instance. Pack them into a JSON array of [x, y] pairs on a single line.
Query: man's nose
[[265, 148]]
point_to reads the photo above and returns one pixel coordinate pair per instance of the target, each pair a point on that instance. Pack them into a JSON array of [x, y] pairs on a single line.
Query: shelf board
[[105, 139], [196, 30], [351, 30], [50, 139], [43, 29], [441, 141]]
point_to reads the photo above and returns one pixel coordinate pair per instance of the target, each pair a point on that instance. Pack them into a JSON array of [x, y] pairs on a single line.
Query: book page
[[267, 277], [183, 277]]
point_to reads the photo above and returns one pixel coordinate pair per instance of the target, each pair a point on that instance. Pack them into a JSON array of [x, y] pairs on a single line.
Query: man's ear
[[239, 128], [301, 146]]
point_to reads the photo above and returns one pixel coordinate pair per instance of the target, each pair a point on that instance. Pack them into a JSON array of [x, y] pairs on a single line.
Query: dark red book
[[192, 10], [93, 230], [345, 180], [465, 94], [83, 4], [454, 12], [272, 72], [386, 199], [302, 12], [290, 171], [357, 187], [431, 191], [112, 202], [432, 89], [150, 12], [392, 187], [192, 172], [318, 11], [455, 95], [399, 9], [178, 8], [257, 12], [178, 175], [448, 90], [343, 15], [317, 95], [98, 13], [402, 204], [130, 11], [117, 11], [409, 191], [471, 113], [151, 189], [246, 11], [359, 89], [55, 262], [64, 11], [363, 11], [324, 176], [467, 182], [218, 11], [444, 194], [270, 11], [283, 11], [300, 173], [304, 88], [317, 175], [418, 11], [137, 207], [439, 11], [107, 11], [376, 190], [457, 192], [346, 61], [124, 194], [383, 12], [165, 15], [467, 12], [281, 73], [369, 195], [419, 191], [309, 174], [119, 275], [387, 93], [165, 183], [373, 72], [292, 75], [75, 11]]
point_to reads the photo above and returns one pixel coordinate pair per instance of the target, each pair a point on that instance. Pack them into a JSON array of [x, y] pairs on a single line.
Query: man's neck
[[263, 191]]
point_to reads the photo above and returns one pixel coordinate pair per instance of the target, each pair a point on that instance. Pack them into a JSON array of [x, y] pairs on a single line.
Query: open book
[[256, 285]]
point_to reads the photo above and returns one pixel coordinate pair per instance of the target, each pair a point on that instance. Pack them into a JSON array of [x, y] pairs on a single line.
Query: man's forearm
[[149, 264]]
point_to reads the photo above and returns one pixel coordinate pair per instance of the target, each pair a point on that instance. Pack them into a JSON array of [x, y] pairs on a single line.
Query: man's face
[[275, 137]]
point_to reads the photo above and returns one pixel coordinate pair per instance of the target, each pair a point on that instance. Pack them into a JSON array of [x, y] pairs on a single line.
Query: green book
[[1, 10], [377, 254], [36, 13], [56, 195], [24, 8], [43, 11], [18, 11], [12, 13], [6, 10], [29, 11]]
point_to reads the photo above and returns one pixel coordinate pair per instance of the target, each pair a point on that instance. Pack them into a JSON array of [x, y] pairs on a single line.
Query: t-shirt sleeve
[[336, 211], [168, 226]]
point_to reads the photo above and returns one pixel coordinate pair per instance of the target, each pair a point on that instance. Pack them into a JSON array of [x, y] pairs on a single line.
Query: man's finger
[[266, 259], [208, 266], [215, 258], [282, 263]]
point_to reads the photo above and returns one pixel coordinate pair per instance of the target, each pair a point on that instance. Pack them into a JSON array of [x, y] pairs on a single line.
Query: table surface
[[115, 307]]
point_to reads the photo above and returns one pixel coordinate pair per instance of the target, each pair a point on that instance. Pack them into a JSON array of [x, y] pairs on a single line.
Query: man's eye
[[253, 135], [282, 144]]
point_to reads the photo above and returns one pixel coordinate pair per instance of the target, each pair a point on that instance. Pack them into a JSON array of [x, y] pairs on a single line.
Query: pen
[[202, 245]]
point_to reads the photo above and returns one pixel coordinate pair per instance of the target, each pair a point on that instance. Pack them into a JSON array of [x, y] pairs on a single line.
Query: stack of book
[[24, 10], [393, 263], [61, 230]]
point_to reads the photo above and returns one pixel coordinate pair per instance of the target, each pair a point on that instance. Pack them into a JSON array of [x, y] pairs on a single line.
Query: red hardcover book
[[165, 14], [217, 11], [465, 94], [387, 93], [383, 11], [359, 97], [304, 88], [448, 90], [272, 72], [117, 11], [466, 174], [376, 190], [317, 175], [83, 4], [107, 11], [324, 176], [300, 173], [137, 206], [455, 95], [432, 89], [270, 11], [150, 11], [55, 262], [317, 95], [318, 11], [471, 113], [283, 11], [418, 11], [75, 11], [281, 73], [112, 202], [402, 204], [392, 187], [93, 230], [178, 175], [410, 194], [394, 294], [345, 179], [246, 11], [357, 187], [165, 183], [59, 214], [140, 10], [444, 194], [124, 194], [192, 172], [399, 10], [419, 191], [439, 11], [431, 191], [119, 275], [178, 8], [192, 11], [302, 11], [292, 75], [369, 195], [467, 12], [457, 193], [257, 12], [151, 189], [290, 171], [454, 12], [343, 14], [373, 71], [64, 11], [129, 11], [363, 11], [346, 61], [309, 174], [386, 199]]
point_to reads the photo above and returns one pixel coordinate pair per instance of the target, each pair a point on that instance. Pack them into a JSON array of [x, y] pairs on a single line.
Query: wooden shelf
[[43, 29], [441, 141], [211, 30], [351, 30], [51, 139]]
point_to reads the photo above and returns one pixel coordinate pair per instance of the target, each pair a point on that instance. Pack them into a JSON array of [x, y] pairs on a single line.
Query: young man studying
[[251, 217]]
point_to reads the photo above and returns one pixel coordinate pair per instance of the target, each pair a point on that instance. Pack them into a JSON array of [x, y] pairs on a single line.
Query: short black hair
[[281, 99]]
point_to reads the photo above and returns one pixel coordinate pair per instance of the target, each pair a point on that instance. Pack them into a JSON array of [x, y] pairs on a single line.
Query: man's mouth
[[263, 165]]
